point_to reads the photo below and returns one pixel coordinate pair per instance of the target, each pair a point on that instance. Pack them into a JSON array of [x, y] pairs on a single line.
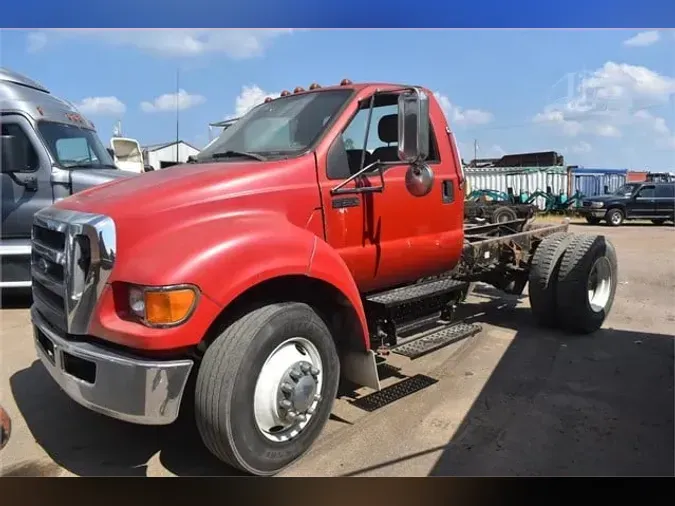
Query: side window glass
[[646, 192], [24, 142], [665, 191]]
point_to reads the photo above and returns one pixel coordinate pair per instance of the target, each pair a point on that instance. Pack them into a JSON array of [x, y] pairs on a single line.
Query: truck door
[[390, 237], [24, 193], [665, 201], [643, 204]]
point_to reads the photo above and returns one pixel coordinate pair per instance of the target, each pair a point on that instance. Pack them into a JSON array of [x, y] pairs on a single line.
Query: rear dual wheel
[[573, 281], [265, 388]]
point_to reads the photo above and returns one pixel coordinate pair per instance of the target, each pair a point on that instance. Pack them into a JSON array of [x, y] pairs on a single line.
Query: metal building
[[161, 156], [596, 181]]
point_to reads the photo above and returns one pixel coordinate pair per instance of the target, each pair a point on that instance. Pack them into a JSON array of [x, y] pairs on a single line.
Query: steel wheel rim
[[295, 365], [616, 218], [599, 285]]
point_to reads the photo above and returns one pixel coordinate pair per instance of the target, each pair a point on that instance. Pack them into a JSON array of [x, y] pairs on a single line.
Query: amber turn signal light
[[168, 307]]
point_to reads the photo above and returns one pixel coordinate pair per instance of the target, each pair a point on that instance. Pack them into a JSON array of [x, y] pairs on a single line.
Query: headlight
[[597, 204], [162, 306]]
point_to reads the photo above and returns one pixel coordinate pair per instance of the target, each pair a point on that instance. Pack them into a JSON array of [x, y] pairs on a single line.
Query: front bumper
[[112, 383], [593, 212]]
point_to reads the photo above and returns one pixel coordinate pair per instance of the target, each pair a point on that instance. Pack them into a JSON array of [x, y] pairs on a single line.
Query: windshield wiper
[[90, 166], [231, 154]]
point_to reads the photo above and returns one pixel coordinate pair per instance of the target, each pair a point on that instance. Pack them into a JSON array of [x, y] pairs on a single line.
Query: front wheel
[[615, 217], [266, 387]]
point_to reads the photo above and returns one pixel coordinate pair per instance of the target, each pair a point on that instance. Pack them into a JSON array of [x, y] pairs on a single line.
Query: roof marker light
[[345, 82], [285, 93], [298, 89], [314, 86]]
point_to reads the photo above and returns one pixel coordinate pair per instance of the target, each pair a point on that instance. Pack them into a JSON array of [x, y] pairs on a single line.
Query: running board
[[433, 341]]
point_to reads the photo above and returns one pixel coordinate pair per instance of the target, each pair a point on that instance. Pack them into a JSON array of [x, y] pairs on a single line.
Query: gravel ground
[[513, 400]]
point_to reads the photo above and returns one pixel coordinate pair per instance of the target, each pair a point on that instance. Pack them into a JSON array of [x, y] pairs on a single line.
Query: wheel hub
[[297, 391]]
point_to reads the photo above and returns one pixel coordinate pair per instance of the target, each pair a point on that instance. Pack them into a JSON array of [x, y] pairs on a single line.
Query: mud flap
[[360, 368]]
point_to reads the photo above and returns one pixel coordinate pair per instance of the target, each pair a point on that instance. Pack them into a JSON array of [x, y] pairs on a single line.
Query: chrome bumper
[[111, 383]]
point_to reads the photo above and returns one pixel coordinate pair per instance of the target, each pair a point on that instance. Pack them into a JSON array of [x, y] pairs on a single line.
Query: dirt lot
[[513, 400]]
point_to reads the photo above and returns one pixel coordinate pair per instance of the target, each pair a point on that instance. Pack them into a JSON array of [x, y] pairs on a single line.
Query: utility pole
[[177, 113], [475, 149]]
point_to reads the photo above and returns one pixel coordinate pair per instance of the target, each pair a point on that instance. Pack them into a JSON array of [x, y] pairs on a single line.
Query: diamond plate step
[[436, 340], [386, 396], [415, 293]]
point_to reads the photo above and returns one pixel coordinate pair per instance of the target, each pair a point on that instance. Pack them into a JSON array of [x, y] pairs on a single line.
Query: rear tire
[[543, 278], [587, 283], [615, 217], [244, 381], [504, 214]]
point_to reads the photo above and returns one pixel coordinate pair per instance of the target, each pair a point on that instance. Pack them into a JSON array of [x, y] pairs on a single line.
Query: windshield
[[626, 189], [285, 126], [74, 147]]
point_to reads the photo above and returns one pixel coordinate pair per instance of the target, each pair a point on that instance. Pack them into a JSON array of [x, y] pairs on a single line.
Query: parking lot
[[513, 400]]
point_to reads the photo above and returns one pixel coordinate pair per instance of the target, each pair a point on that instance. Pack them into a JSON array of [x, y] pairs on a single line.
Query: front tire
[[615, 217], [587, 283], [504, 214], [266, 386]]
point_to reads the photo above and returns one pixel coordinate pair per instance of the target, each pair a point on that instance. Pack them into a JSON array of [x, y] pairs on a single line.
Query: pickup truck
[[654, 201], [320, 233]]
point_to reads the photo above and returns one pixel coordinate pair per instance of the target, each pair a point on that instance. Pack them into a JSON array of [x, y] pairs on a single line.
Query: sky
[[602, 98]]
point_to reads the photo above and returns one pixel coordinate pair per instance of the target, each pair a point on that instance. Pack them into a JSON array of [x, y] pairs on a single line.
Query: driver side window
[[16, 131], [347, 156]]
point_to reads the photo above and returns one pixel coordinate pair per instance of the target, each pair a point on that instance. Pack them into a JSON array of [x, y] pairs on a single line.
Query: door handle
[[448, 191]]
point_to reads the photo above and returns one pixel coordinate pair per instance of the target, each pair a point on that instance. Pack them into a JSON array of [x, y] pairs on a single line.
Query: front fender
[[226, 257]]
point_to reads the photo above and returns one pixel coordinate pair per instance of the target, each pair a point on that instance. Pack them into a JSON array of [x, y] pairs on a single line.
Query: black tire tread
[[504, 210], [571, 275], [543, 277], [221, 366]]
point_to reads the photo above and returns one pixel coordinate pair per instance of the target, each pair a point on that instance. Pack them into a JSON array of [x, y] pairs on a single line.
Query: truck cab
[[321, 231], [49, 151]]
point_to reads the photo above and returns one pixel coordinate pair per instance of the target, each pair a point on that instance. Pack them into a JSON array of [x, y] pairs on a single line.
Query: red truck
[[319, 233]]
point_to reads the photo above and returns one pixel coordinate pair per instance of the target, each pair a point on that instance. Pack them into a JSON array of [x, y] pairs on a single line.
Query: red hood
[[190, 185]]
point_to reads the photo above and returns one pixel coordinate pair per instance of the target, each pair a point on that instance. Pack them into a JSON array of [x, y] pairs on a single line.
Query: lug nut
[[301, 418], [305, 367], [295, 374], [317, 397], [292, 416], [285, 404], [314, 371], [286, 388]]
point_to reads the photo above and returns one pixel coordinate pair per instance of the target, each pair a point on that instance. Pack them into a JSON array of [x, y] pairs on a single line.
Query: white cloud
[[249, 97], [643, 39], [35, 41], [581, 147], [610, 99], [235, 43], [458, 116], [101, 106], [170, 101]]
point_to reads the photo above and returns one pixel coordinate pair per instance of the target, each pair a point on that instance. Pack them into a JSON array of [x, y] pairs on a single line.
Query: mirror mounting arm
[[340, 190]]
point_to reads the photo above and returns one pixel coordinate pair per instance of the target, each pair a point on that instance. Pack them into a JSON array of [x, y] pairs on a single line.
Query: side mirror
[[111, 152], [12, 155], [413, 126]]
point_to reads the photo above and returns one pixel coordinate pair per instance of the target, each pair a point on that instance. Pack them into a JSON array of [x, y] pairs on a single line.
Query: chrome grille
[[72, 255]]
